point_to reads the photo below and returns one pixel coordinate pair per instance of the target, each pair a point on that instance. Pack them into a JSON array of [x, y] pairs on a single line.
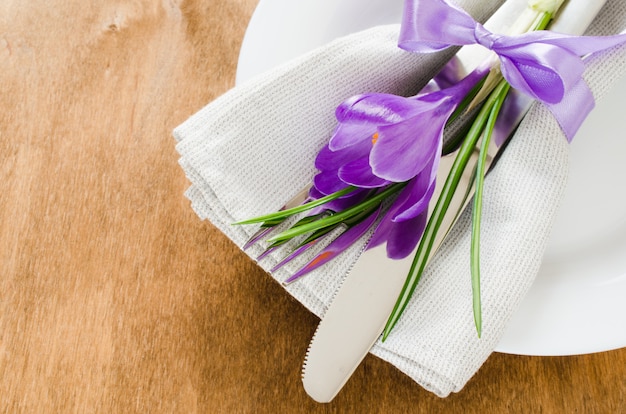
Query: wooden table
[[114, 296]]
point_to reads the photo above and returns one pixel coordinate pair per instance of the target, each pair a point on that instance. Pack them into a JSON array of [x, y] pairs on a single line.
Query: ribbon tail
[[579, 45], [573, 109]]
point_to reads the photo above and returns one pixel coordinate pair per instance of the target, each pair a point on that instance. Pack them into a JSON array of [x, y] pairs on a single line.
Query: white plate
[[578, 303]]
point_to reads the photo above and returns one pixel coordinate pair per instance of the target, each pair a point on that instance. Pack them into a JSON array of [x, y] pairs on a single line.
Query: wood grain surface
[[114, 296]]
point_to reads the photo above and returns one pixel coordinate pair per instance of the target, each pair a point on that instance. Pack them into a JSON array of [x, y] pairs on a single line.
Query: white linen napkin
[[250, 150]]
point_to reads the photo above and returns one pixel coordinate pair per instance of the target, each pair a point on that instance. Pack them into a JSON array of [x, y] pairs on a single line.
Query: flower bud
[[545, 6]]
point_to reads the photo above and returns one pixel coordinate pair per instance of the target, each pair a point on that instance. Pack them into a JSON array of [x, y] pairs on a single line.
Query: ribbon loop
[[545, 65]]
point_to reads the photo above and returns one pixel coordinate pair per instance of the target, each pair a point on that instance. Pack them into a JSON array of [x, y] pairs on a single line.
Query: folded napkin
[[252, 149]]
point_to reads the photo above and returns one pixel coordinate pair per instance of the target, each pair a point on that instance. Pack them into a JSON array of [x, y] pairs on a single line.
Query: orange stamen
[[325, 256], [374, 138]]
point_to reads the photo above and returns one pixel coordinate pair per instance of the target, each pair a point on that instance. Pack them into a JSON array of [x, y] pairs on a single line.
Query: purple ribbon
[[546, 65]]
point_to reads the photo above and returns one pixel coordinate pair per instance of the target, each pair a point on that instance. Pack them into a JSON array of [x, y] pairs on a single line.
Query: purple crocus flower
[[383, 139]]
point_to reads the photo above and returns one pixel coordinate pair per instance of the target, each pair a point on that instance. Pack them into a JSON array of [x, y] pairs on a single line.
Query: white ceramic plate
[[578, 302]]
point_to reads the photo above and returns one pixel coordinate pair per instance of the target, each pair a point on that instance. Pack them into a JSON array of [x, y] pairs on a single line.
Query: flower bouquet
[[379, 169], [371, 179]]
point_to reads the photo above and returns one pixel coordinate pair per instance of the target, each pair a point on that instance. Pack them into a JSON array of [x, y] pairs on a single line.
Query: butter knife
[[360, 308]]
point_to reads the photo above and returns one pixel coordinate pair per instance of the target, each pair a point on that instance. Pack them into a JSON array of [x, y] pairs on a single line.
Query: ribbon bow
[[546, 65]]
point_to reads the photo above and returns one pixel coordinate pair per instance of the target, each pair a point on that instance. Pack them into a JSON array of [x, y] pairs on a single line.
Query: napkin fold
[[253, 148]]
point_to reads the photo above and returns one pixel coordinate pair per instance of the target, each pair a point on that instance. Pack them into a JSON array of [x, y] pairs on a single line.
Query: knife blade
[[360, 308]]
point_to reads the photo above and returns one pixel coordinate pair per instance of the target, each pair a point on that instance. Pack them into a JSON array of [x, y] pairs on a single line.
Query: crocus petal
[[384, 227], [404, 236], [328, 182], [376, 108], [417, 202], [348, 135], [358, 122], [257, 236], [337, 246], [401, 238], [328, 159], [419, 191], [265, 253], [314, 193], [297, 253], [404, 149], [359, 174]]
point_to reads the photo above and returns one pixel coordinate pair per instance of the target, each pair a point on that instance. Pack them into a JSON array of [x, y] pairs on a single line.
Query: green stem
[[500, 93], [503, 88], [453, 143], [338, 217], [542, 21], [282, 214], [349, 222]]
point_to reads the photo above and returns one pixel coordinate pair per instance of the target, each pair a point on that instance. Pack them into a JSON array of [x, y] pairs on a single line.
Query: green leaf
[[282, 214], [500, 93], [339, 217]]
